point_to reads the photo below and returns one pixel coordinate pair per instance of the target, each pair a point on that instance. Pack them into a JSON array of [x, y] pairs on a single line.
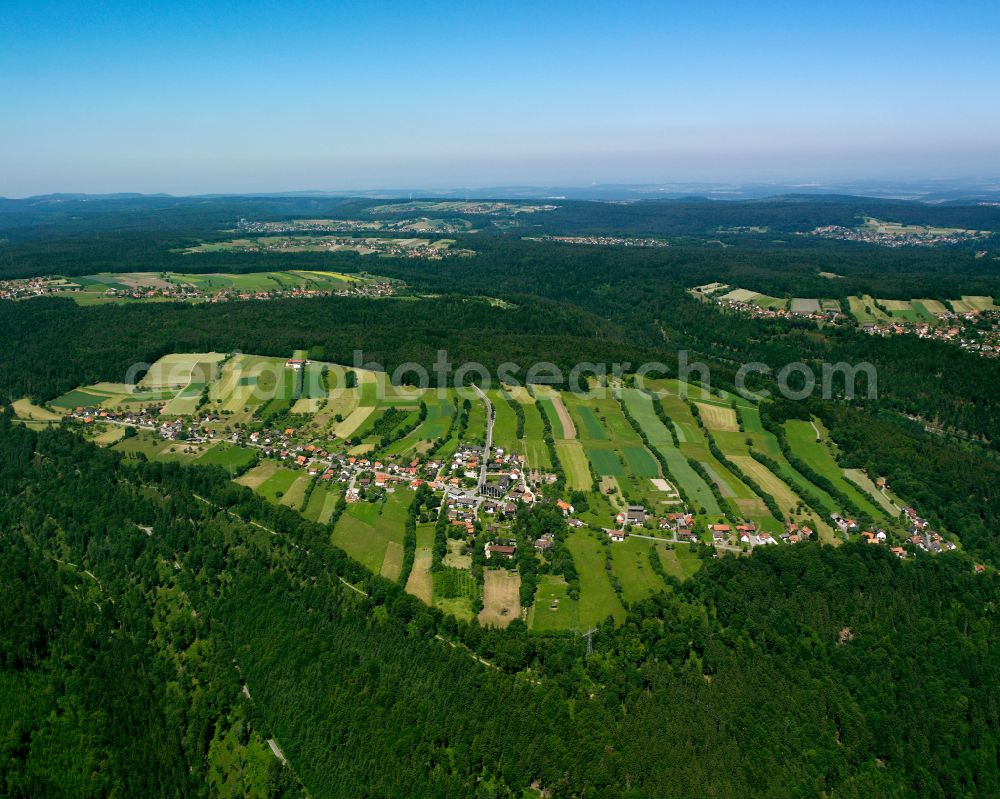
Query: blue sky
[[191, 97]]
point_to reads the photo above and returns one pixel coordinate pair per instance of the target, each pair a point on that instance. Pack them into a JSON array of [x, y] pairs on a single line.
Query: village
[[603, 241], [482, 488], [889, 235], [201, 288], [489, 513], [973, 329]]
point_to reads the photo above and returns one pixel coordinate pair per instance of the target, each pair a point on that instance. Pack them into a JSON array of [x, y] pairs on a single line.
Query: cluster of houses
[[33, 287], [162, 290], [922, 536], [892, 238], [963, 329], [604, 241], [421, 225]]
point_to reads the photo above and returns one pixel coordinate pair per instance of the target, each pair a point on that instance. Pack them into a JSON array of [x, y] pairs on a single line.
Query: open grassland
[[605, 461], [717, 417], [476, 431], [786, 497], [802, 440], [392, 563], [322, 499], [865, 483], [553, 609], [973, 303], [590, 426], [504, 423], [864, 309], [740, 295], [631, 564], [454, 592], [501, 598], [180, 369], [574, 463], [421, 582], [679, 561], [534, 445], [932, 306], [640, 406], [277, 485], [365, 530], [229, 456], [901, 310], [25, 409], [640, 462], [597, 598], [296, 492], [805, 305], [356, 419], [112, 434], [546, 406]]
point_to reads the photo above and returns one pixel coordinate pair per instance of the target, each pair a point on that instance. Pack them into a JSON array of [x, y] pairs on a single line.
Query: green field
[[802, 440], [321, 503], [630, 560], [504, 423], [553, 609], [640, 406], [640, 462], [680, 561], [597, 598], [229, 456], [534, 446], [277, 485], [574, 463], [366, 529], [605, 461], [589, 426]]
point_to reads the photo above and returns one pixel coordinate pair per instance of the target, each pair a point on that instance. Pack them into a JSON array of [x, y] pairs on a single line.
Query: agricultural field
[[680, 561], [753, 298], [901, 310], [597, 598], [594, 441], [229, 456], [574, 463], [454, 592], [865, 310], [717, 417], [973, 303], [421, 581], [555, 411], [802, 438], [372, 533], [804, 305], [631, 564], [322, 503], [553, 610], [884, 498], [501, 602], [25, 409], [178, 371], [534, 445], [640, 406]]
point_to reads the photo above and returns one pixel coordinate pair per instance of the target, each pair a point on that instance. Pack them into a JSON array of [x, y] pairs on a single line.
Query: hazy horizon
[[205, 98]]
